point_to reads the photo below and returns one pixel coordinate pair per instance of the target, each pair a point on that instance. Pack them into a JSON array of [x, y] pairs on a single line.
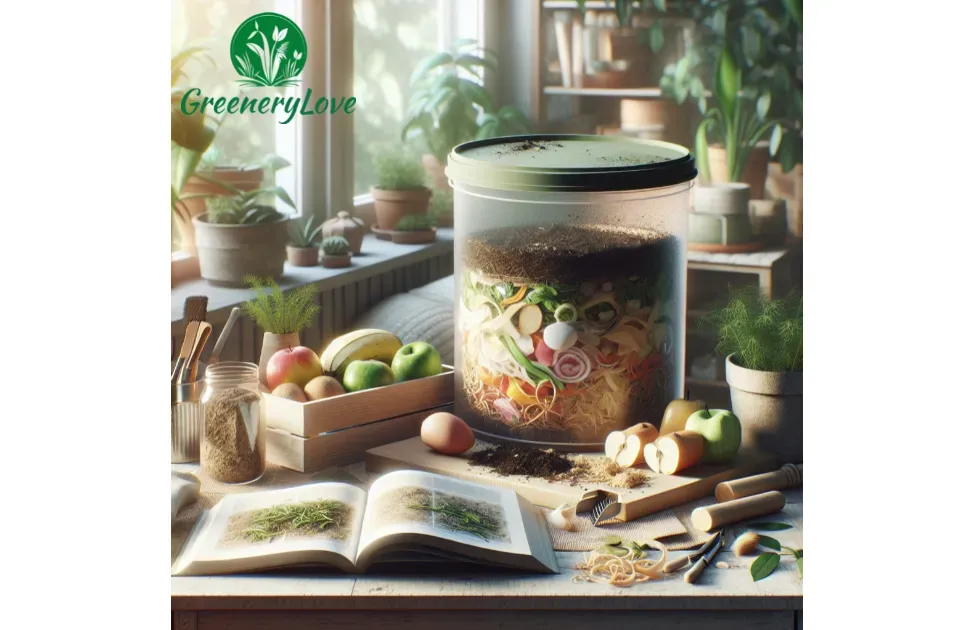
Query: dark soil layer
[[565, 253], [519, 460]]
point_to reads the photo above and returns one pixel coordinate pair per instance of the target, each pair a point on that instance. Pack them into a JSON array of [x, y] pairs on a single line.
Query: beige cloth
[[670, 527]]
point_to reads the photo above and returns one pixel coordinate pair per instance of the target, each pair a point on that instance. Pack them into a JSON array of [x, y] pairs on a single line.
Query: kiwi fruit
[[323, 387]]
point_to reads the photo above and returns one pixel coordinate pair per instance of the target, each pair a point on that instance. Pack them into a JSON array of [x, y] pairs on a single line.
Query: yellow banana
[[360, 345]]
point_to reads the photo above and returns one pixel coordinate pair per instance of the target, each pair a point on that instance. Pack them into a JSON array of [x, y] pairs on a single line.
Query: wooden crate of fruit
[[334, 431]]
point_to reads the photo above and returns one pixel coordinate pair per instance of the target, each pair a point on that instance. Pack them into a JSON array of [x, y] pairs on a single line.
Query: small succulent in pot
[[335, 252], [302, 251], [414, 229]]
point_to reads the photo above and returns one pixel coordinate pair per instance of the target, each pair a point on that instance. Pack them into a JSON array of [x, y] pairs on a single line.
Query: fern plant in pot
[[762, 339], [242, 236], [282, 316], [400, 189]]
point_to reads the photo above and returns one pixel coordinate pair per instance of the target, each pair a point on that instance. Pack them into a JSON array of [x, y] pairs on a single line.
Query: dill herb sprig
[[289, 518], [762, 334], [278, 312], [462, 516]]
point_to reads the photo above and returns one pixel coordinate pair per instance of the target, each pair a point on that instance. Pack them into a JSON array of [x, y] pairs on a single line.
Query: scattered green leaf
[[801, 573], [769, 542], [769, 527], [764, 565], [613, 541]]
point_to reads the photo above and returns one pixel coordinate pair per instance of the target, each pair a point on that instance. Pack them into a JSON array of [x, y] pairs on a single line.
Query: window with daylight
[[241, 139], [391, 38]]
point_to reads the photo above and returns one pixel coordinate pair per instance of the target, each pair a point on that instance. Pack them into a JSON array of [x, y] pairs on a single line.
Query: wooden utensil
[[680, 563], [695, 571], [191, 370], [790, 476], [224, 335], [194, 312], [713, 516]]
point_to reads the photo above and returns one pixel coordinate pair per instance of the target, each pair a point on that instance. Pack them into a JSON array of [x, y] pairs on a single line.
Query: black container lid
[[570, 163]]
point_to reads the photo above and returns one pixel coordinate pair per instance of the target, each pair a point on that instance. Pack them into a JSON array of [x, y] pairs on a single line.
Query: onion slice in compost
[[572, 365]]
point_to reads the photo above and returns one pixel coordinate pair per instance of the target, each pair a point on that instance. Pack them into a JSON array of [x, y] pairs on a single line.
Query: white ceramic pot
[[722, 199], [769, 405]]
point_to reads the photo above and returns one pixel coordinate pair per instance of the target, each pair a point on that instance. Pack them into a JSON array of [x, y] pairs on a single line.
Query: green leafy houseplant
[[245, 207], [191, 135], [335, 246], [762, 334], [763, 38], [449, 104], [306, 234], [739, 121], [281, 313]]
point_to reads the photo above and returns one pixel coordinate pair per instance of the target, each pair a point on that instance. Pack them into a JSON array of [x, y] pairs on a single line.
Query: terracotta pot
[[337, 261], [271, 344], [436, 172], [788, 186], [302, 256], [640, 114], [392, 205], [755, 171], [246, 179], [414, 237], [228, 253], [769, 405], [352, 229]]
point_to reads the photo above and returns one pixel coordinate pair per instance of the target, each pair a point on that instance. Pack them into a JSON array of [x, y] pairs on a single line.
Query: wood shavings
[[603, 470], [622, 571], [722, 565]]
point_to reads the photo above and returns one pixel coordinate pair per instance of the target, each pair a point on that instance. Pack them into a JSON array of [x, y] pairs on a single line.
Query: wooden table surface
[[723, 598]]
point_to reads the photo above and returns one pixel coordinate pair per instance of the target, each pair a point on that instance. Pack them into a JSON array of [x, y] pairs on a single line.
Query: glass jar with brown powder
[[232, 448]]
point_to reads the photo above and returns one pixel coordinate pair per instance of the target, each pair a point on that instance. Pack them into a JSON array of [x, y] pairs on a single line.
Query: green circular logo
[[268, 50]]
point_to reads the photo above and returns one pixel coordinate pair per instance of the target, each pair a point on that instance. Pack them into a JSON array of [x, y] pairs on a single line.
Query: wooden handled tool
[[194, 312], [714, 516], [681, 563], [191, 370], [790, 476], [691, 576], [224, 335]]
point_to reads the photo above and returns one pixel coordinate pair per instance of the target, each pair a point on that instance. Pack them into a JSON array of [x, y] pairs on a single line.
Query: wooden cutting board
[[660, 492]]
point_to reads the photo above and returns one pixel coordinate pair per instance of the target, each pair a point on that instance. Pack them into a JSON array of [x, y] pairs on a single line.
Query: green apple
[[361, 375], [416, 360], [721, 431]]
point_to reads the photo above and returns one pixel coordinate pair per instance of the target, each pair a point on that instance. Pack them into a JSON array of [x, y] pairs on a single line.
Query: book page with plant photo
[[449, 519], [313, 524]]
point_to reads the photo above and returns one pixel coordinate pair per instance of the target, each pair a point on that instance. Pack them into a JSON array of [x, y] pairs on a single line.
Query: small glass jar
[[233, 448]]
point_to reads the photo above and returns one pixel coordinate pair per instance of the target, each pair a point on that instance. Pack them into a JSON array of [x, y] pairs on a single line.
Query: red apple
[[296, 365]]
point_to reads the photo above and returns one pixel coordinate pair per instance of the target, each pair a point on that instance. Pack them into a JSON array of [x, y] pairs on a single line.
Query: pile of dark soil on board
[[568, 252], [507, 460]]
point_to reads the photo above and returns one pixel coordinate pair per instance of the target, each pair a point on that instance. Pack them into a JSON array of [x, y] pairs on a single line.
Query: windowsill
[[377, 257]]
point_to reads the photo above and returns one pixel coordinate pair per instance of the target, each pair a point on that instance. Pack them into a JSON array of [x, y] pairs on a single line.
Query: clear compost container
[[570, 267]]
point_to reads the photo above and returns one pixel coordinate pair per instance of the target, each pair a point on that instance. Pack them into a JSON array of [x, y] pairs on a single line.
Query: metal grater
[[600, 505]]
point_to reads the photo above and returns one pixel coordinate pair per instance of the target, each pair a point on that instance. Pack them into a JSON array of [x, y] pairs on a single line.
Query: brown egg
[[446, 433], [291, 391], [323, 387]]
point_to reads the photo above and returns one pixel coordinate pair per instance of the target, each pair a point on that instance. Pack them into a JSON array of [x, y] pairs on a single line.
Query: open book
[[406, 516]]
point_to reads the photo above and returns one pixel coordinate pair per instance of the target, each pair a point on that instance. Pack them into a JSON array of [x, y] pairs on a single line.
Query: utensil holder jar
[[186, 421], [570, 258]]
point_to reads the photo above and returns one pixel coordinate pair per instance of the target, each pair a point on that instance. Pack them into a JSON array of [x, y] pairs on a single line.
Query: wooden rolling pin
[[715, 516], [790, 476]]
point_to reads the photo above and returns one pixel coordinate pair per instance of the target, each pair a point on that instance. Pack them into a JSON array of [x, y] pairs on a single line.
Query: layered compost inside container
[[569, 331]]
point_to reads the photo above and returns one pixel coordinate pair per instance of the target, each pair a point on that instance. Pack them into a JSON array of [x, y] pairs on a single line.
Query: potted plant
[[441, 208], [400, 187], [335, 253], [349, 227], [738, 122], [302, 251], [282, 316], [762, 340], [413, 230], [449, 105], [240, 236]]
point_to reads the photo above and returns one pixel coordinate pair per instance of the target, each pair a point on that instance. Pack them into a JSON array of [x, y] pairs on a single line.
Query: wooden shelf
[[647, 92]]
